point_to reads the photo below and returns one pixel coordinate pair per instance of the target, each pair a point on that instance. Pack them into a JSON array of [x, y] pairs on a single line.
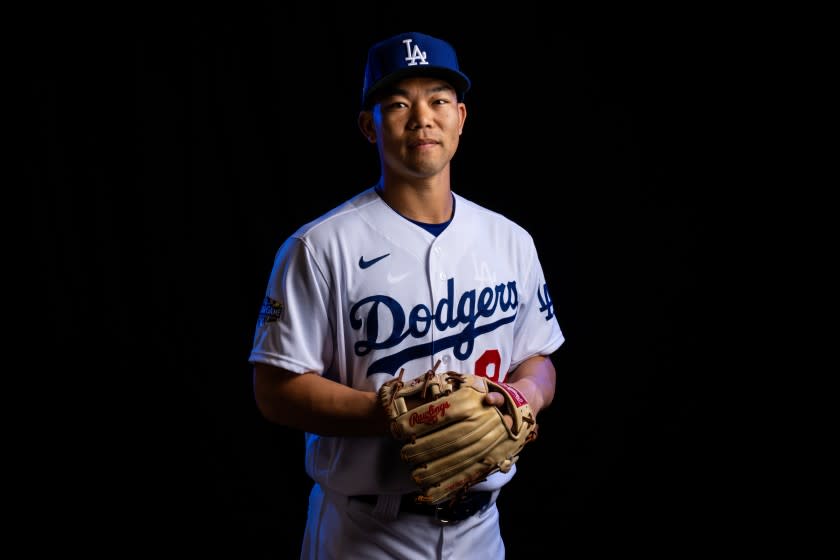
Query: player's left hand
[[496, 399]]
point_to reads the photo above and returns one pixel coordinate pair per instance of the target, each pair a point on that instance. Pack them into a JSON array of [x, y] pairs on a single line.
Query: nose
[[421, 116]]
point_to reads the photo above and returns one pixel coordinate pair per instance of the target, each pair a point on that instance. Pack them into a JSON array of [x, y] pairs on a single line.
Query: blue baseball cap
[[411, 54]]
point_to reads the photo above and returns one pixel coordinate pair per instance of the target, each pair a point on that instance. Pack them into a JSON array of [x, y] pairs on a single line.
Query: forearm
[[536, 378], [317, 405]]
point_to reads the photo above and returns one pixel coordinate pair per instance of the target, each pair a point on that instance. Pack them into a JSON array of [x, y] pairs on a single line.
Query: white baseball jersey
[[361, 292]]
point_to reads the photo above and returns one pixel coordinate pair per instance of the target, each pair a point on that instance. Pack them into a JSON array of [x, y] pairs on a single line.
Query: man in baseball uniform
[[403, 275]]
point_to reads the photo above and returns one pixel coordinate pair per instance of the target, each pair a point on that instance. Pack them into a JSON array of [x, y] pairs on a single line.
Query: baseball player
[[404, 275]]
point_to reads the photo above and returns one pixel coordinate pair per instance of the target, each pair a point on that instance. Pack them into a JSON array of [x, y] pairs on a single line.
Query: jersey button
[[442, 276]]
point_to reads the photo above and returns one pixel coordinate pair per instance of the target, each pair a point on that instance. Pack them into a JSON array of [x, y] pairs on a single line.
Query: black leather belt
[[445, 512]]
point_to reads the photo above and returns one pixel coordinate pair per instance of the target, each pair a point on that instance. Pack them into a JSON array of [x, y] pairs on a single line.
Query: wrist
[[532, 393]]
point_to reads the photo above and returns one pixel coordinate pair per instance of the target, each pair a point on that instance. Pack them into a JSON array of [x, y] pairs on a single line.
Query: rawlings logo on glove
[[454, 438], [430, 416]]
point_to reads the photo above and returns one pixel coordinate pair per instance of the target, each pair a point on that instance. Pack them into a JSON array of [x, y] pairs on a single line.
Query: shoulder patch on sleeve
[[270, 311]]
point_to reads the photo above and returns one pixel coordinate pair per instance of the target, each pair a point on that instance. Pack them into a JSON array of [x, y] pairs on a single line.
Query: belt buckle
[[443, 513], [456, 510]]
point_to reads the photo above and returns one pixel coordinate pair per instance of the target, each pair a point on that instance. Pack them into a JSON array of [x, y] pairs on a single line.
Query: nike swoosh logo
[[364, 264], [395, 279]]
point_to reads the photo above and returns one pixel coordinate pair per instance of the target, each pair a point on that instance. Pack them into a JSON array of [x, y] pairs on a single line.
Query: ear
[[366, 126], [462, 117]]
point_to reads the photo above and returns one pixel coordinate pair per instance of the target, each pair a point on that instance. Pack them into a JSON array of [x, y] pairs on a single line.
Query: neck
[[430, 203]]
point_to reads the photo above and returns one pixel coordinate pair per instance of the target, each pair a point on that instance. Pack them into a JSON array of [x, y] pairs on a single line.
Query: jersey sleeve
[[536, 330], [293, 328]]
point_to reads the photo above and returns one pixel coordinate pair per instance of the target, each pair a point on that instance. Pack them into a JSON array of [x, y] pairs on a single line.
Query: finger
[[494, 399]]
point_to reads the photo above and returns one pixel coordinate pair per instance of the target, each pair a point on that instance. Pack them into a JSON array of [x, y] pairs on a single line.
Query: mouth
[[422, 142]]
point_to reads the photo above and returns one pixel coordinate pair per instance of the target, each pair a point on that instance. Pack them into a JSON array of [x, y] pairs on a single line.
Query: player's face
[[417, 126]]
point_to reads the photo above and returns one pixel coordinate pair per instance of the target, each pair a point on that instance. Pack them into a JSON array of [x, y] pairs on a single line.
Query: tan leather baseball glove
[[453, 438]]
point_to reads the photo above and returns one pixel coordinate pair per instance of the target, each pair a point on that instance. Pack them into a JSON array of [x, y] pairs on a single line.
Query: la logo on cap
[[415, 56]]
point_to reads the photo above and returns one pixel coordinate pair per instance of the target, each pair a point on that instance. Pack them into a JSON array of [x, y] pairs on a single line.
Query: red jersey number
[[488, 365]]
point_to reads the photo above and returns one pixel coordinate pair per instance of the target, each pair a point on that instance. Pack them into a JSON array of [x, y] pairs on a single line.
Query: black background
[[174, 149]]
